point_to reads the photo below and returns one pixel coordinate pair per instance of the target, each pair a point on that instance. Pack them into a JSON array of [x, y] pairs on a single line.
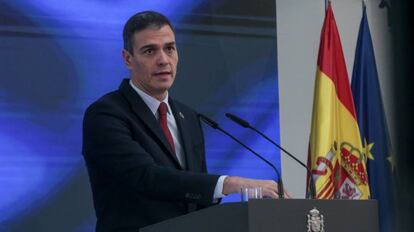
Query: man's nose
[[162, 58]]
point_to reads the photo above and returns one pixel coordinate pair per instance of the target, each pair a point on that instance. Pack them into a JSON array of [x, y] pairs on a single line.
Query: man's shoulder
[[116, 99], [111, 101]]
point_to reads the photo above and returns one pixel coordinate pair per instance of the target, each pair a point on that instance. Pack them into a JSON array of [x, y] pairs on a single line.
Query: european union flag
[[373, 127]]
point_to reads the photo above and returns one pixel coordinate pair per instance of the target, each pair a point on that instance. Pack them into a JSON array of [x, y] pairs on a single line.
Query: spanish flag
[[336, 157]]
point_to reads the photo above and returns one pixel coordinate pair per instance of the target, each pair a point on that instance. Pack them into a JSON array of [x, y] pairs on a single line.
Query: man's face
[[154, 62]]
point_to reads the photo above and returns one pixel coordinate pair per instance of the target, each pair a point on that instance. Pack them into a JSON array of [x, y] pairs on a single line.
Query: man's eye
[[148, 51], [171, 48]]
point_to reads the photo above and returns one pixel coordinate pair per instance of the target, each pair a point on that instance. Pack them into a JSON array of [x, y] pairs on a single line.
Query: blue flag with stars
[[373, 127]]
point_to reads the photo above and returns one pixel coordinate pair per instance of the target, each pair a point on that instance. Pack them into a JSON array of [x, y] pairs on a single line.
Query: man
[[145, 151]]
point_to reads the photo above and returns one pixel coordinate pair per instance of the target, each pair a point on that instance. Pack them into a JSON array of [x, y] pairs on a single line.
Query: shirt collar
[[149, 100]]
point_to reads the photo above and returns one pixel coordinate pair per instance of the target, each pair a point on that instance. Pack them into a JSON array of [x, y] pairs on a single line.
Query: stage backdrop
[[57, 57]]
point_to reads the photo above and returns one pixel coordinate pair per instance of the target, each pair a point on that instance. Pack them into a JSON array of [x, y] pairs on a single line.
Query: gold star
[[367, 149], [390, 159]]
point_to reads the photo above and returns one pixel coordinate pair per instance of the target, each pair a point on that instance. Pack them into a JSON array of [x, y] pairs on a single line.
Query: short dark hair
[[141, 21]]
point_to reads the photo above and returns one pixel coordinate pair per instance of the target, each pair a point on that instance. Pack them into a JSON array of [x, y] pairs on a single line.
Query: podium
[[268, 215]]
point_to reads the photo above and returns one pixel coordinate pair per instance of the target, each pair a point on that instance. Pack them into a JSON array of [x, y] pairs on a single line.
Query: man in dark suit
[[145, 151]]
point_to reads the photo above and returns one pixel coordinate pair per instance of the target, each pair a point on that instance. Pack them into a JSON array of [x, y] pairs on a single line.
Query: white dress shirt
[[153, 104]]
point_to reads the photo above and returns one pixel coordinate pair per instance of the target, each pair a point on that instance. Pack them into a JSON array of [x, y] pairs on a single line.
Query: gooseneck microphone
[[246, 124], [215, 125]]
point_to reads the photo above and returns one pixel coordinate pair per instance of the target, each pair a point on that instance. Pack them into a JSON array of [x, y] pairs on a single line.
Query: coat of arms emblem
[[315, 221]]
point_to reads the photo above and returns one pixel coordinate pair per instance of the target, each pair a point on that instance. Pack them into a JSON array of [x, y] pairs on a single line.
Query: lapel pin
[[181, 115]]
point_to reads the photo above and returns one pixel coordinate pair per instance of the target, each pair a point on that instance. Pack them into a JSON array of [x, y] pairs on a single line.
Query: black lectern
[[266, 215]]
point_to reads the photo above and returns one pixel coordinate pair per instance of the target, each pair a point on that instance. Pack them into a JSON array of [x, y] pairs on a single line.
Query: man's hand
[[233, 184]]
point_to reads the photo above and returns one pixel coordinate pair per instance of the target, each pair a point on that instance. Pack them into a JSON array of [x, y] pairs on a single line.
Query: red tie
[[162, 110]]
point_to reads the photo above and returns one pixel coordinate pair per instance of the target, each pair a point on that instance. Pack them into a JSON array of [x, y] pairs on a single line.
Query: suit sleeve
[[110, 152]]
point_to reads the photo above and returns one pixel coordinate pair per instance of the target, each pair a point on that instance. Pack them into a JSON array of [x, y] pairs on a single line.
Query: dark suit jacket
[[136, 180]]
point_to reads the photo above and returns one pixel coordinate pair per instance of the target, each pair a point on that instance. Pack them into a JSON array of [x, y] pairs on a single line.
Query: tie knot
[[162, 109]]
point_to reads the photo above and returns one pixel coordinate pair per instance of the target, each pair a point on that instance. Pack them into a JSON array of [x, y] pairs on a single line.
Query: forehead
[[153, 36]]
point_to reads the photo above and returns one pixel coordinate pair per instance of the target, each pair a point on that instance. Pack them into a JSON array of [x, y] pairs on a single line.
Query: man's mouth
[[162, 73]]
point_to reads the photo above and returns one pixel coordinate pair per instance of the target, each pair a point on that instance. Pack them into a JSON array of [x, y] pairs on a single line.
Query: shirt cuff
[[218, 191]]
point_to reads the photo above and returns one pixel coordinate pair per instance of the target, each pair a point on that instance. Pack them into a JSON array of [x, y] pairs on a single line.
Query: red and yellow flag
[[335, 151]]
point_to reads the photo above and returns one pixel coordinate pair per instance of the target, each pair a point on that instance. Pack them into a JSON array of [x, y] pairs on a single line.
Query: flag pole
[[326, 4]]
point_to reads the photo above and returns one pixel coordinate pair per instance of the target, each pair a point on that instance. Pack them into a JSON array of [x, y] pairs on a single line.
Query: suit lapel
[[183, 126], [144, 113]]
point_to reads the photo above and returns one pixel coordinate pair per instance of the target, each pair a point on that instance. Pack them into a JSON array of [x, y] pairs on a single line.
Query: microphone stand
[[215, 125], [246, 124]]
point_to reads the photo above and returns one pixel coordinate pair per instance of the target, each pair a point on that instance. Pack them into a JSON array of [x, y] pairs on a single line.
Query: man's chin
[[165, 84], [163, 88], [163, 77]]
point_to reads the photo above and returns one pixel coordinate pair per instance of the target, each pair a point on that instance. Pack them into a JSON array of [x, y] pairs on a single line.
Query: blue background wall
[[57, 57]]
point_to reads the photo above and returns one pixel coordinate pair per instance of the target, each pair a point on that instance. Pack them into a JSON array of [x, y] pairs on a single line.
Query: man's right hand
[[233, 184]]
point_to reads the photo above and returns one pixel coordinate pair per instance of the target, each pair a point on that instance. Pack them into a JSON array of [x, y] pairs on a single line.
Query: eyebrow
[[171, 43], [154, 45]]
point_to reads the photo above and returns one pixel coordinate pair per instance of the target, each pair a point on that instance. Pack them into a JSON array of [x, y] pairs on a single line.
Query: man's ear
[[127, 58]]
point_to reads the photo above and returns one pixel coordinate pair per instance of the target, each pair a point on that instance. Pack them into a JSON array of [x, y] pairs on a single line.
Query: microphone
[[215, 125], [246, 124]]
